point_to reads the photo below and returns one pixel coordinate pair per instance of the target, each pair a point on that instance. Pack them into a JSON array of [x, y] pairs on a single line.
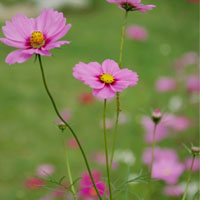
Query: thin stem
[[68, 126], [117, 95], [189, 178], [68, 168], [122, 38], [106, 149], [153, 148]]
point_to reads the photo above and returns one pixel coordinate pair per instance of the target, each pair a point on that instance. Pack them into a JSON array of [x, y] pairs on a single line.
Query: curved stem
[[69, 169], [106, 149], [189, 178], [117, 96], [153, 148], [68, 126]]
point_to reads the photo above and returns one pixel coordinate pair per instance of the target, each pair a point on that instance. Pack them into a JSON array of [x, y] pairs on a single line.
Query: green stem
[[106, 149], [153, 148], [68, 168], [189, 178], [117, 96], [68, 126], [122, 38]]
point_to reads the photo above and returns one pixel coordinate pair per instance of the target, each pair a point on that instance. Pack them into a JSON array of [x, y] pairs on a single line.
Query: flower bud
[[195, 150], [156, 116]]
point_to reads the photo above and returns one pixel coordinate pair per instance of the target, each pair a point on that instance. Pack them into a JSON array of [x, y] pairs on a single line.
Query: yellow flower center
[[107, 78], [93, 192], [37, 39]]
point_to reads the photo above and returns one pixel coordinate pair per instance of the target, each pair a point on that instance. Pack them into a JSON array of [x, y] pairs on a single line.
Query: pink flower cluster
[[168, 122], [34, 36], [136, 32], [166, 165]]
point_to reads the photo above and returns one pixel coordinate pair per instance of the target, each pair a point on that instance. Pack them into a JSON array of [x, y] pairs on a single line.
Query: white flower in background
[[175, 103], [125, 156], [61, 3], [192, 189]]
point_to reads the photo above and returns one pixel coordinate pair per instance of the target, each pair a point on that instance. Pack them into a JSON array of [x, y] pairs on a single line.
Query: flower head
[[156, 116], [165, 84], [132, 5], [136, 33], [45, 170], [105, 79], [34, 36], [86, 187]]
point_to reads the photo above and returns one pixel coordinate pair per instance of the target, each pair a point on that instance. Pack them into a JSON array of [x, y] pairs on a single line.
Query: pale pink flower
[[193, 83], [165, 84], [106, 79], [101, 159], [66, 115], [86, 188], [161, 130], [132, 5], [34, 36], [168, 170], [173, 190], [136, 33], [159, 154], [45, 170], [180, 123], [196, 165]]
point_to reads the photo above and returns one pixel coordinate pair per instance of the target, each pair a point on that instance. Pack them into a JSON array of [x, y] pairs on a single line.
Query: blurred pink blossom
[[193, 83], [45, 170], [66, 115], [173, 190], [86, 98], [72, 143], [33, 183], [180, 123], [159, 154], [99, 158], [196, 165], [165, 84], [136, 33], [168, 170], [161, 130], [86, 188]]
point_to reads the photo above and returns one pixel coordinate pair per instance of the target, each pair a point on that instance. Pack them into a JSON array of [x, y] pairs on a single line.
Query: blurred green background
[[28, 133]]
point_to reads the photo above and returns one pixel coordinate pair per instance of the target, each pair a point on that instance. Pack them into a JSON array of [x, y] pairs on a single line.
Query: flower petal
[[17, 56], [110, 67], [52, 45], [104, 93], [12, 43]]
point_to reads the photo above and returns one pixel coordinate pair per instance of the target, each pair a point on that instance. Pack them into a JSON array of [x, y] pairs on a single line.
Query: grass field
[[28, 132]]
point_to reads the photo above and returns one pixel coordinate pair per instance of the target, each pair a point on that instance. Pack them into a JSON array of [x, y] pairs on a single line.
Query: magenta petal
[[17, 56], [126, 75], [104, 93], [12, 43], [52, 45], [110, 67]]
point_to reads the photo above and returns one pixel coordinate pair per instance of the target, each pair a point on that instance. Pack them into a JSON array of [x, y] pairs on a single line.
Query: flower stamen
[[37, 39], [107, 78]]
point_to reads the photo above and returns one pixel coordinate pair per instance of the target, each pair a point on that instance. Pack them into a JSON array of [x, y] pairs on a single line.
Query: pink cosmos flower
[[136, 33], [86, 187], [105, 79], [180, 123], [196, 165], [159, 154], [168, 170], [193, 83], [34, 36], [45, 170], [165, 84], [132, 5], [173, 190]]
